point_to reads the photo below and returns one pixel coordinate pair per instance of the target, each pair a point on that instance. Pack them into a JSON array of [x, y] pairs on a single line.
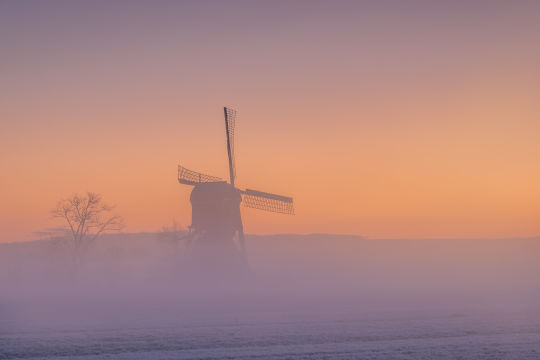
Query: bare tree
[[86, 218]]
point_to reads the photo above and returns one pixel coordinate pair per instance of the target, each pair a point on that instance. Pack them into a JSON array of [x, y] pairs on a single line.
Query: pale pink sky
[[394, 119]]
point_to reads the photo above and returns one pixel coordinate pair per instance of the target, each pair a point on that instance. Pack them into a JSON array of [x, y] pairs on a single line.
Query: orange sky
[[380, 120]]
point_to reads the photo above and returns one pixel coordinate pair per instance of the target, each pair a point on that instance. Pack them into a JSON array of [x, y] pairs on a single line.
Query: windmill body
[[216, 211], [216, 233]]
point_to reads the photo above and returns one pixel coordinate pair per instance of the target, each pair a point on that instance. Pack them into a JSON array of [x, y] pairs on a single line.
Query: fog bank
[[129, 279]]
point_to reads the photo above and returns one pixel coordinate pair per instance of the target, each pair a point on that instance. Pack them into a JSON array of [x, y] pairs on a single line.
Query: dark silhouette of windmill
[[216, 223]]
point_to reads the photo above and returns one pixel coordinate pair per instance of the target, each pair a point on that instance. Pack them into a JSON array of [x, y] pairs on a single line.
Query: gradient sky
[[383, 118]]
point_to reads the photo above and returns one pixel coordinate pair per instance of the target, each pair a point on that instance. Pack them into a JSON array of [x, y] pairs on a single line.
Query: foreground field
[[311, 297], [339, 336]]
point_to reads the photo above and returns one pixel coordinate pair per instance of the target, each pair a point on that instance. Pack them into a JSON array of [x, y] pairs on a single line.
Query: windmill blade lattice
[[190, 177], [230, 122], [268, 202]]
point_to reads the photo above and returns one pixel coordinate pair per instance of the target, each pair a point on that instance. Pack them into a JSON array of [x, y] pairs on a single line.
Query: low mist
[[142, 279]]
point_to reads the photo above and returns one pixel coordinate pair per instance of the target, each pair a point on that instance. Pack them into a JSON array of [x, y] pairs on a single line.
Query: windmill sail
[[268, 202], [230, 119], [190, 177]]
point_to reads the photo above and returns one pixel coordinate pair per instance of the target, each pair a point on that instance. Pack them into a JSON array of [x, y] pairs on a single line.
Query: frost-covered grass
[[388, 335]]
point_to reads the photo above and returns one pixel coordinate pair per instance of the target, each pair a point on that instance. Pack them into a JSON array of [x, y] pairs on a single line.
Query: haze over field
[[332, 266], [323, 295]]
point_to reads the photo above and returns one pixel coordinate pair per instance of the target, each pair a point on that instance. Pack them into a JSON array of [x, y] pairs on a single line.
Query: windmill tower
[[216, 222]]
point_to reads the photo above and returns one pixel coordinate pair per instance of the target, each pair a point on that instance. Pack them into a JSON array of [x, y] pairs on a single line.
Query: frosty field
[[342, 336], [383, 299]]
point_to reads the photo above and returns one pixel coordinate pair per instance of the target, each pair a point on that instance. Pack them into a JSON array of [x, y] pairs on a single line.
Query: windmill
[[216, 221]]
